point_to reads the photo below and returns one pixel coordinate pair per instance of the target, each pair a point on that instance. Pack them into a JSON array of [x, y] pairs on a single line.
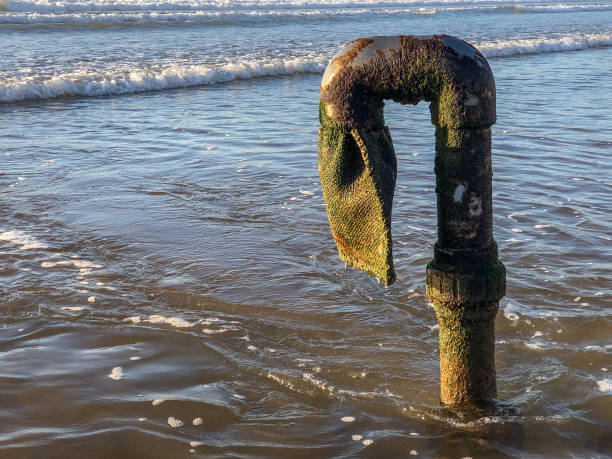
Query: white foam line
[[139, 80], [158, 319], [221, 7], [544, 45], [135, 17], [148, 13], [211, 331], [73, 308], [85, 266], [112, 82], [133, 319], [238, 9]]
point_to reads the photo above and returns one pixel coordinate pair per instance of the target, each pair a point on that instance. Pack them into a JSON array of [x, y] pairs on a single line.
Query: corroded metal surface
[[440, 69], [358, 171]]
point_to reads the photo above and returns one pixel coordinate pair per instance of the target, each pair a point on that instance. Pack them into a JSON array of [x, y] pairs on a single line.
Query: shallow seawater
[[165, 256]]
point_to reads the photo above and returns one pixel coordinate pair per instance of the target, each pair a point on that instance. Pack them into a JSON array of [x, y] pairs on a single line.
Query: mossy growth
[[357, 165], [467, 358], [358, 171]]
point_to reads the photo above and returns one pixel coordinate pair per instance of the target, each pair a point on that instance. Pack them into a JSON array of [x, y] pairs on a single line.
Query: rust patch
[[360, 44], [420, 68]]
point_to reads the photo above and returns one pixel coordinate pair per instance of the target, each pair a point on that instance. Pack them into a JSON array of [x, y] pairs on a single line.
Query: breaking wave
[[113, 12], [544, 45], [180, 16], [113, 82], [140, 80]]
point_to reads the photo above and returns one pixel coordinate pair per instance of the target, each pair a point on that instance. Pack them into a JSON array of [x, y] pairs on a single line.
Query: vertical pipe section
[[465, 280]]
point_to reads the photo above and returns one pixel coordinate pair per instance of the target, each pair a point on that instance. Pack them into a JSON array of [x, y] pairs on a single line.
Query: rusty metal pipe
[[357, 165]]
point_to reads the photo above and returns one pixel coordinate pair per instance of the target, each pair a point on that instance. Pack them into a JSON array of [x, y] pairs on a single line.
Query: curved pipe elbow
[[446, 71]]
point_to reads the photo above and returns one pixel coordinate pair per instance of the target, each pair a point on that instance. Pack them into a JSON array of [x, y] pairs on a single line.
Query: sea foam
[[134, 12], [517, 47], [95, 83], [88, 83], [116, 373], [174, 422], [174, 321], [20, 238], [605, 385]]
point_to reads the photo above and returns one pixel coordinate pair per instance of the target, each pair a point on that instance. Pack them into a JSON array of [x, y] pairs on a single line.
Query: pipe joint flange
[[458, 290], [465, 259]]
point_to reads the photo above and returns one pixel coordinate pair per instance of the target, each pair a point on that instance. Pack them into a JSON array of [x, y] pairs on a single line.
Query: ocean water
[[169, 284]]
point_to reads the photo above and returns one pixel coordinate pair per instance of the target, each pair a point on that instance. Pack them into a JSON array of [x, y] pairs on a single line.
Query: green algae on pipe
[[358, 171]]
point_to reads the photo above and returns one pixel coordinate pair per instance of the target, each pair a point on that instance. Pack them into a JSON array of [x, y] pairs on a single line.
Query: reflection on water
[[170, 283]]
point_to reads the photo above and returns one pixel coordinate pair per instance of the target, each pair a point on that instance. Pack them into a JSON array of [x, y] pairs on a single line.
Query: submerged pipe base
[[466, 305]]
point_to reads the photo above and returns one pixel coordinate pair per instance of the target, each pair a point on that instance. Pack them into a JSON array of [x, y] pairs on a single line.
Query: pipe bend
[[441, 69]]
